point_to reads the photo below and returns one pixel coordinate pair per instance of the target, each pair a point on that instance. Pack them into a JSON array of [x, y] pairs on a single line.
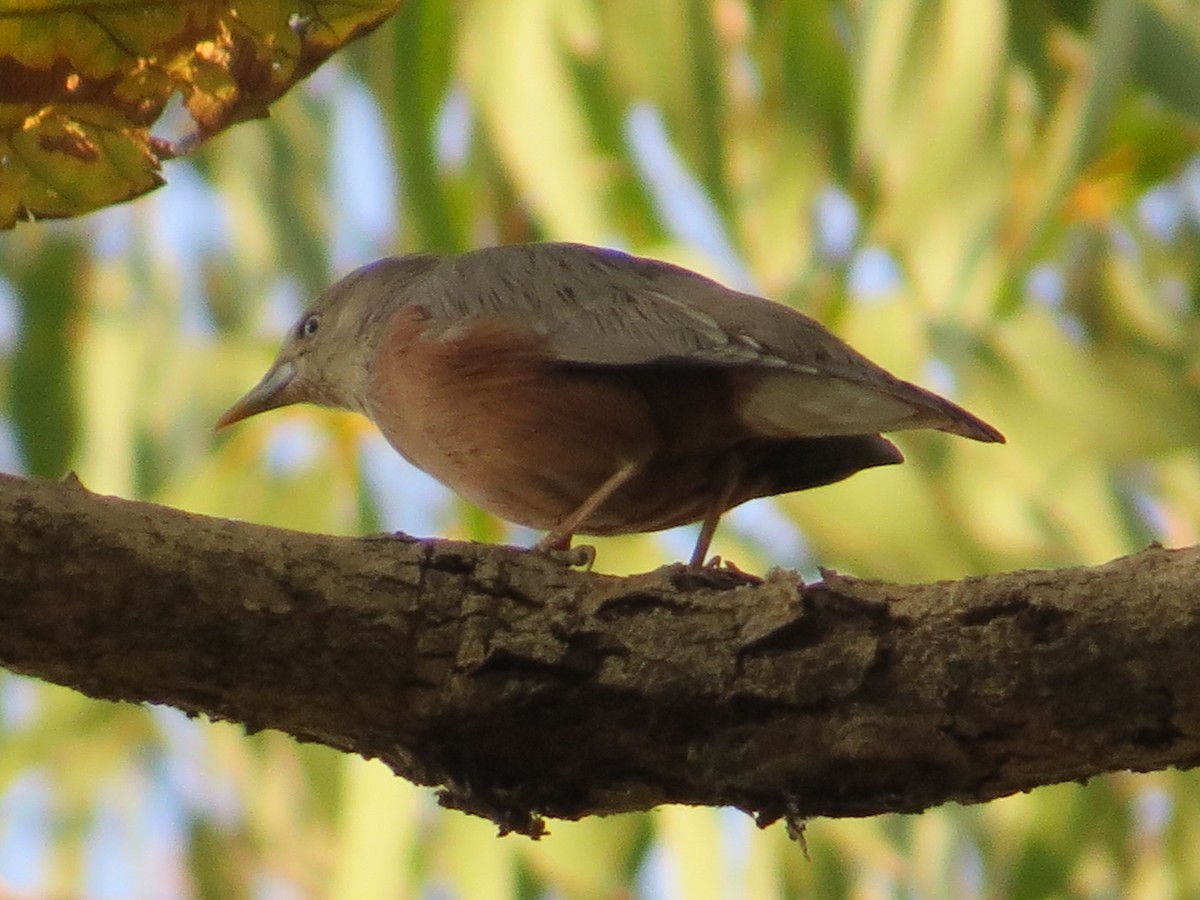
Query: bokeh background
[[999, 199]]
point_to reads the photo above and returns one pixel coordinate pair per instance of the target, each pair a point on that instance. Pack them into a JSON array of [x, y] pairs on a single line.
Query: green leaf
[[1167, 57], [42, 390]]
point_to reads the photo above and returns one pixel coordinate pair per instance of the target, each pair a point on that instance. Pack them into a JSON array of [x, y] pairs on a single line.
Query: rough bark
[[525, 688]]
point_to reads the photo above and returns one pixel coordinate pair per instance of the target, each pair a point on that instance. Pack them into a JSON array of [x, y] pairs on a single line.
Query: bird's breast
[[483, 407]]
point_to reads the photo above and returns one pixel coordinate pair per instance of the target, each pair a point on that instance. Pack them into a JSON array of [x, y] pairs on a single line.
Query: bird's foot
[[726, 565], [581, 556], [717, 563], [560, 550]]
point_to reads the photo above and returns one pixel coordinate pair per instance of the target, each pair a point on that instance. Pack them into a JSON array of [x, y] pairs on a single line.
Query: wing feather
[[607, 308]]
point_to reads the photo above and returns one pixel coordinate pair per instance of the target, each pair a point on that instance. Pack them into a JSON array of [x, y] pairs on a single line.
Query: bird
[[582, 390]]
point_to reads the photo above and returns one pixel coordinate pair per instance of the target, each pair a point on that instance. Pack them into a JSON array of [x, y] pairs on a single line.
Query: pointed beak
[[270, 393]]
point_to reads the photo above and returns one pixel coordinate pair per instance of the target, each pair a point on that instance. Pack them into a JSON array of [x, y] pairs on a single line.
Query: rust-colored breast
[[482, 408]]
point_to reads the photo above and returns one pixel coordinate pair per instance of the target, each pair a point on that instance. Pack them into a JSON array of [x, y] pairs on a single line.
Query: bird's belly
[[668, 492], [506, 429]]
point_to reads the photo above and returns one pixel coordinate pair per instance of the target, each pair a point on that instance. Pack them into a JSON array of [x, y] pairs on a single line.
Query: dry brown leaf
[[82, 83]]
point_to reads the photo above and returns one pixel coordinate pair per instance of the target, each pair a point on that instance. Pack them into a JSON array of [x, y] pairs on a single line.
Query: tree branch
[[524, 688]]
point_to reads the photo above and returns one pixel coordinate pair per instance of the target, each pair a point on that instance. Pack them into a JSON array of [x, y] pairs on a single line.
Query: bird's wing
[[591, 306], [606, 308]]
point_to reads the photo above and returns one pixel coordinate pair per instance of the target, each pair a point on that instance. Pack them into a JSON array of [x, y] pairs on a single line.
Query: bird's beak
[[269, 393]]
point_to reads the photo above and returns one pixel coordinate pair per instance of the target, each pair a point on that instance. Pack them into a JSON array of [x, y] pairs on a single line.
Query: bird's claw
[[580, 556]]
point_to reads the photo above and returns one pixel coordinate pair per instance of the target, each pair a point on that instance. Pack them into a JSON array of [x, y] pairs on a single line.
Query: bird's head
[[325, 355]]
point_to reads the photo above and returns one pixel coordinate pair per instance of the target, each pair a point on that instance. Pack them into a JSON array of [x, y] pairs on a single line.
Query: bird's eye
[[309, 326]]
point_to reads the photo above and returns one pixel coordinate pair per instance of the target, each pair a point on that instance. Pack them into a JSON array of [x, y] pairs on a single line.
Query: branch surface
[[524, 688]]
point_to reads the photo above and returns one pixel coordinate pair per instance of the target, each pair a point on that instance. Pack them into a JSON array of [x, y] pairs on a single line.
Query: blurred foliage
[[998, 199]]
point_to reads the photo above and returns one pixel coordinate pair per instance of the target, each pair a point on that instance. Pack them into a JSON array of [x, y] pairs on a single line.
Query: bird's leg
[[707, 530], [560, 537], [729, 476]]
